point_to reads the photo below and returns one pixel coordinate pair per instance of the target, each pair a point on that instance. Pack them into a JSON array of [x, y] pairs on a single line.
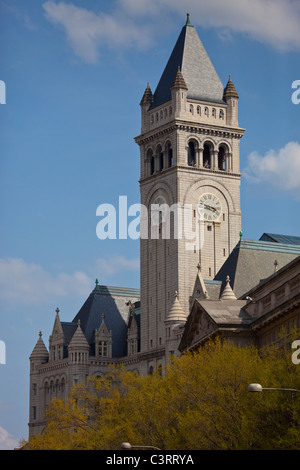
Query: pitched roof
[[40, 351], [112, 302], [251, 261], [199, 74], [176, 313], [230, 89], [277, 238]]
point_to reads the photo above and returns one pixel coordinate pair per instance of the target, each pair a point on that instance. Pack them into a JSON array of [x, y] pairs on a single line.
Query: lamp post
[[128, 446], [259, 388]]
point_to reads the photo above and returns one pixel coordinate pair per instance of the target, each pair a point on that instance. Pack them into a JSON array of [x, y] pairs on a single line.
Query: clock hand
[[210, 208]]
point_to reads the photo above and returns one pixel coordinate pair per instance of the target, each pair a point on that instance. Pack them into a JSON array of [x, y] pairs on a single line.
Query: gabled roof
[[198, 72], [208, 317]]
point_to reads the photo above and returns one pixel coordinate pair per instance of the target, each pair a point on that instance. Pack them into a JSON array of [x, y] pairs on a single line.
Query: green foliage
[[202, 402]]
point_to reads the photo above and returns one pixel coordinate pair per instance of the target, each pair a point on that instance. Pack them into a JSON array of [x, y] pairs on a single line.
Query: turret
[[174, 323], [145, 105], [39, 354], [78, 349], [179, 95], [231, 97]]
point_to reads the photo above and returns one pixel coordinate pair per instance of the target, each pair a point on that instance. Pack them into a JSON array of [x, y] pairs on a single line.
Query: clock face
[[209, 207]]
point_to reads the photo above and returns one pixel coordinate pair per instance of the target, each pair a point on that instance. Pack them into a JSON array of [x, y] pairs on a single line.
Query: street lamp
[[128, 446], [259, 388]]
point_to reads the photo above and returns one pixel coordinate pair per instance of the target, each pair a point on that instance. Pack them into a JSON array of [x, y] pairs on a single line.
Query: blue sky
[[75, 72]]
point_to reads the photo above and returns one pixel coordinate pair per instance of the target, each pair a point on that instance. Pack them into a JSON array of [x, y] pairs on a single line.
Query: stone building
[[205, 282]]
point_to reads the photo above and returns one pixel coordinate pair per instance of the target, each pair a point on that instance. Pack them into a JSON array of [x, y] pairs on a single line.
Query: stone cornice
[[193, 127]]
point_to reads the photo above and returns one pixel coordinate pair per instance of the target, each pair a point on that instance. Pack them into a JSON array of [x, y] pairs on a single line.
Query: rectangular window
[[103, 349], [34, 412], [34, 388]]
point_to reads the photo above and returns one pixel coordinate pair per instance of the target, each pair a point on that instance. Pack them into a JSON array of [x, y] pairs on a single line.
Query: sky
[[72, 76]]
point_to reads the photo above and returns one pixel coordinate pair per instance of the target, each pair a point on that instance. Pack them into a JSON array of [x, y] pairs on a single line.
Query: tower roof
[[176, 313], [228, 293], [40, 350], [199, 74], [79, 340], [230, 89]]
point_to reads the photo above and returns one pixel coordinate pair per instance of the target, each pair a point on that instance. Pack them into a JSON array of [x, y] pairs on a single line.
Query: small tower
[[145, 105], [38, 357], [231, 97], [179, 94], [56, 340], [174, 327], [78, 348], [228, 293]]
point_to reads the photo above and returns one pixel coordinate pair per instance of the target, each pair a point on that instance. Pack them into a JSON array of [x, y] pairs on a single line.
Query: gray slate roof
[[198, 72], [110, 301], [277, 238], [226, 312], [252, 261]]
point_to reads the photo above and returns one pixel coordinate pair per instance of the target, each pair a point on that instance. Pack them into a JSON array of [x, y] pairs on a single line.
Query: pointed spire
[[176, 313], [228, 293], [147, 97], [79, 340], [188, 23], [40, 350], [230, 90], [179, 81]]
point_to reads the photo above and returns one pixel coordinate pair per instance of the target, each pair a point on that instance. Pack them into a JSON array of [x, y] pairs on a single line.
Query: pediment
[[202, 327]]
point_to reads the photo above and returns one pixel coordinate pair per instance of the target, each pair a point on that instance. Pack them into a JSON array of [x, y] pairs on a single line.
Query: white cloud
[[280, 169], [116, 264], [87, 31], [7, 442], [275, 22], [30, 283], [137, 23]]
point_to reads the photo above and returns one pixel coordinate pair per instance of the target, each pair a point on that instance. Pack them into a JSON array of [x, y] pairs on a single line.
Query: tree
[[201, 402]]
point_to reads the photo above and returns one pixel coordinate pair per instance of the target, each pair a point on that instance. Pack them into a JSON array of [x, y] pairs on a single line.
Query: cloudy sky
[[75, 72]]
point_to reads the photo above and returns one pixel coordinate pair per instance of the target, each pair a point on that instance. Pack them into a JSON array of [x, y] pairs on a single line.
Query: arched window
[[213, 112], [221, 159], [206, 112], [206, 156], [191, 109], [191, 154], [170, 155], [199, 110]]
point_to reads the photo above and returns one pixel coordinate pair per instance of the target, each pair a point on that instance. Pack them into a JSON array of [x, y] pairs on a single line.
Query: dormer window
[[103, 349], [103, 341]]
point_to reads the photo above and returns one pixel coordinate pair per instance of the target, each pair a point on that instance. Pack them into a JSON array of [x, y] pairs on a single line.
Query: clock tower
[[190, 178]]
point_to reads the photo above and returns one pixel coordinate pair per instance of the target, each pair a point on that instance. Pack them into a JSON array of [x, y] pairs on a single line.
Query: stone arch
[[208, 149]]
